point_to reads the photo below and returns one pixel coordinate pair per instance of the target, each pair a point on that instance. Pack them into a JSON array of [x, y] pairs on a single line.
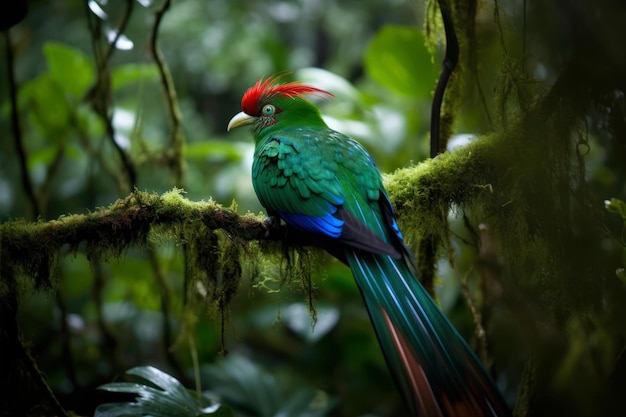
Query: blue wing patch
[[327, 225]]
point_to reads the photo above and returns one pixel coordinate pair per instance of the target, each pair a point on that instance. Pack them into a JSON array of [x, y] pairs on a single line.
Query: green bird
[[328, 191]]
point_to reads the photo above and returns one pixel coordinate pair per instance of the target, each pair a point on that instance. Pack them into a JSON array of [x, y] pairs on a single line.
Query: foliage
[[397, 58], [167, 398], [252, 391], [527, 257]]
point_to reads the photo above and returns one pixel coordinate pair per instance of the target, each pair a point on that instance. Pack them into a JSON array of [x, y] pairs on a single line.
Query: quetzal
[[326, 188]]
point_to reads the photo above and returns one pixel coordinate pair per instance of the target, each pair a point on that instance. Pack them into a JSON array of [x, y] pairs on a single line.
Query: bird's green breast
[[301, 170]]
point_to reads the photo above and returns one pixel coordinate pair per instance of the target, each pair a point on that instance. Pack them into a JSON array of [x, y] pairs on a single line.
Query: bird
[[325, 187]]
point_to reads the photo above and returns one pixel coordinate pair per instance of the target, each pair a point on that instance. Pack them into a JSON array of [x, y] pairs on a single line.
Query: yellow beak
[[241, 119]]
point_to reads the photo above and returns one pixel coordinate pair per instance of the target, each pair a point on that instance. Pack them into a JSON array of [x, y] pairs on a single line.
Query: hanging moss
[[32, 248]]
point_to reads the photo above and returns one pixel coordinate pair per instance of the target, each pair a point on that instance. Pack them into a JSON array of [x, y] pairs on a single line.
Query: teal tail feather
[[437, 372]]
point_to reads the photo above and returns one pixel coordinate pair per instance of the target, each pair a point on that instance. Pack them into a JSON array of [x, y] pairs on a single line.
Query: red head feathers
[[265, 90]]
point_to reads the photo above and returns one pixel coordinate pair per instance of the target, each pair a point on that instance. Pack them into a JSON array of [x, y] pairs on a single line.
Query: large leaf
[[252, 391], [398, 59], [169, 398], [70, 68]]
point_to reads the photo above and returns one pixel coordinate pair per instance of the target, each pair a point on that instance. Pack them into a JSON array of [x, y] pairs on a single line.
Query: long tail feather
[[437, 372]]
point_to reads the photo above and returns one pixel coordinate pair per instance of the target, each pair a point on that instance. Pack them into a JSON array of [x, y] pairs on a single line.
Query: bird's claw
[[274, 230]]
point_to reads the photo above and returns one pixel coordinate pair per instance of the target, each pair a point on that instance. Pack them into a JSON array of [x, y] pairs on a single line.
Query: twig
[[472, 52], [53, 167], [193, 350], [177, 137], [103, 161], [120, 31], [109, 339], [449, 63], [66, 343], [479, 329], [17, 131], [165, 309], [40, 381], [496, 18], [101, 91]]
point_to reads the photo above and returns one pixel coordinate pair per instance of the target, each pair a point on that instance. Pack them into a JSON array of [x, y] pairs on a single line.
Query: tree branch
[[33, 246]]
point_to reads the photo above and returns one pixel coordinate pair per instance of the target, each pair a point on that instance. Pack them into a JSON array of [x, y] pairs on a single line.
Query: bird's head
[[271, 103]]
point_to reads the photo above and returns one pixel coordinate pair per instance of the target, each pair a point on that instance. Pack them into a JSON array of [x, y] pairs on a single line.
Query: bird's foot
[[274, 230]]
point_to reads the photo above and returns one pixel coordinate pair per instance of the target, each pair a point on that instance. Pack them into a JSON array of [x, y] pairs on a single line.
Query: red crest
[[264, 90]]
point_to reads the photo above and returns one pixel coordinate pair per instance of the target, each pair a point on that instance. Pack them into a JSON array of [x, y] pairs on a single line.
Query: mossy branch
[[30, 248]]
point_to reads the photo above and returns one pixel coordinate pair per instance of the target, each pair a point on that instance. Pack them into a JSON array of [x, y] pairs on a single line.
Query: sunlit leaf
[[398, 59], [70, 68]]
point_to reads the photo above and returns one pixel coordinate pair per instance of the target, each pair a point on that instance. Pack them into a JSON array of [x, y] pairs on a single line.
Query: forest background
[[131, 235]]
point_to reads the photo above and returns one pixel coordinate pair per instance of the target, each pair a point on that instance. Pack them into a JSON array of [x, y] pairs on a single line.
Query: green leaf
[[128, 74], [88, 122], [616, 206], [397, 58], [44, 155], [169, 398], [306, 402], [70, 68], [245, 386], [42, 99], [252, 391]]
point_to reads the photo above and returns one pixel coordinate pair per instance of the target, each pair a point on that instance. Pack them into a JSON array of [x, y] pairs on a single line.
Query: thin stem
[[40, 380], [109, 339], [449, 63], [17, 131], [66, 343], [165, 308], [177, 136], [196, 364], [100, 94], [118, 34]]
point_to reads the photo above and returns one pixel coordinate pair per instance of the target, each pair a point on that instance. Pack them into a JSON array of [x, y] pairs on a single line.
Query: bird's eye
[[268, 110]]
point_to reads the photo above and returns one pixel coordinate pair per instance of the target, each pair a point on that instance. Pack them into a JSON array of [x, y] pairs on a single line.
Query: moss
[[31, 249]]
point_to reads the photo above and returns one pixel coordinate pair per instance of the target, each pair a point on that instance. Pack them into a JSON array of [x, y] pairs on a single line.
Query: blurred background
[[95, 124]]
